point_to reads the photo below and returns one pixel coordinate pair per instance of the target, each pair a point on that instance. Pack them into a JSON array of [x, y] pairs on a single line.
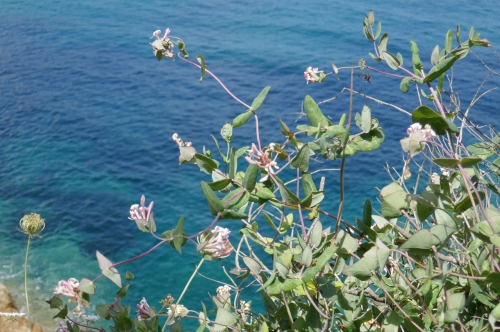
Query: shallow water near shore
[[87, 115]]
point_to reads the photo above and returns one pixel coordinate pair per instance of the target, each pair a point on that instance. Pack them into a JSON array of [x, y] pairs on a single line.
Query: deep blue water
[[87, 115]]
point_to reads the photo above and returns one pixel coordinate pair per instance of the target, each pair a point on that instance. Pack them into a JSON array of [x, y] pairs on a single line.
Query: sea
[[87, 115]]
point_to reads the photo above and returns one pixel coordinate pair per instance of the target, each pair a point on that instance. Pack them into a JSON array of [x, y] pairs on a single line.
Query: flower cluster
[[314, 75], [70, 289], [144, 311], [215, 243], [62, 327], [141, 214], [263, 159], [177, 310], [427, 132], [32, 224], [179, 141], [223, 291], [162, 46]]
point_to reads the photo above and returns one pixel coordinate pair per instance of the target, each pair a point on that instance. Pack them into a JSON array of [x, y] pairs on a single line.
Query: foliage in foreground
[[429, 261]]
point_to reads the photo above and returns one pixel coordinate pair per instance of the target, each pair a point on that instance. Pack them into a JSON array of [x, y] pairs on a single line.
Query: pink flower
[[157, 34], [216, 243], [263, 159], [141, 213], [70, 288], [413, 128], [144, 311]]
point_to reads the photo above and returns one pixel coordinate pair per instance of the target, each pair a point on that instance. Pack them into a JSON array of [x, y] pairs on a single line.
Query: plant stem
[[186, 287], [26, 280]]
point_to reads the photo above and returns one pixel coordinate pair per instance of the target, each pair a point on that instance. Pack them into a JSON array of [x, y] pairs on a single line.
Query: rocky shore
[[19, 324]]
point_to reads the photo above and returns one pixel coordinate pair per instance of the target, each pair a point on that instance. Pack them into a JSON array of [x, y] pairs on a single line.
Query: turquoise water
[[87, 116]]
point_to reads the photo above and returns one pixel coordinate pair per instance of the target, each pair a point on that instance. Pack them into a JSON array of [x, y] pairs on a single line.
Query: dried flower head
[[168, 300], [215, 243], [32, 224]]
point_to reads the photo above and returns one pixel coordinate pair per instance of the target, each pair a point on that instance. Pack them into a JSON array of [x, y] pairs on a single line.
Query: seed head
[[32, 224]]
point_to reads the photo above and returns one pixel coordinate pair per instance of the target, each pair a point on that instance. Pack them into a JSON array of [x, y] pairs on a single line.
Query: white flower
[[413, 128], [216, 243], [178, 310], [428, 133], [311, 75], [223, 290], [141, 212], [445, 172], [144, 311]]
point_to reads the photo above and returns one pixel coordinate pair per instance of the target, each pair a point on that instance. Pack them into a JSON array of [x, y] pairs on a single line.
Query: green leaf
[[440, 69], [206, 164], [347, 244], [435, 55], [367, 213], [178, 235], [233, 215], [448, 41], [86, 286], [250, 178], [335, 70], [404, 86], [425, 115], [481, 294], [301, 160], [371, 17], [466, 203], [55, 302], [315, 234], [394, 199], [382, 44], [366, 31], [242, 118], [63, 313], [128, 276], [367, 142], [308, 184], [253, 265], [306, 256], [391, 60], [321, 261], [257, 102], [213, 201], [285, 130], [415, 58], [379, 30], [447, 162], [203, 66], [314, 114], [366, 119], [457, 34], [424, 239], [287, 195], [470, 161], [113, 275], [236, 199], [363, 268], [219, 185], [122, 293]]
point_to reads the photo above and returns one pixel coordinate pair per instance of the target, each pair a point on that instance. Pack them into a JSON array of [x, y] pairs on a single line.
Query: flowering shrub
[[428, 262]]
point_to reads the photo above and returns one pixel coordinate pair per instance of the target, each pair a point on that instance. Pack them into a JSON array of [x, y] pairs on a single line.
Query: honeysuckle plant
[[428, 260]]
